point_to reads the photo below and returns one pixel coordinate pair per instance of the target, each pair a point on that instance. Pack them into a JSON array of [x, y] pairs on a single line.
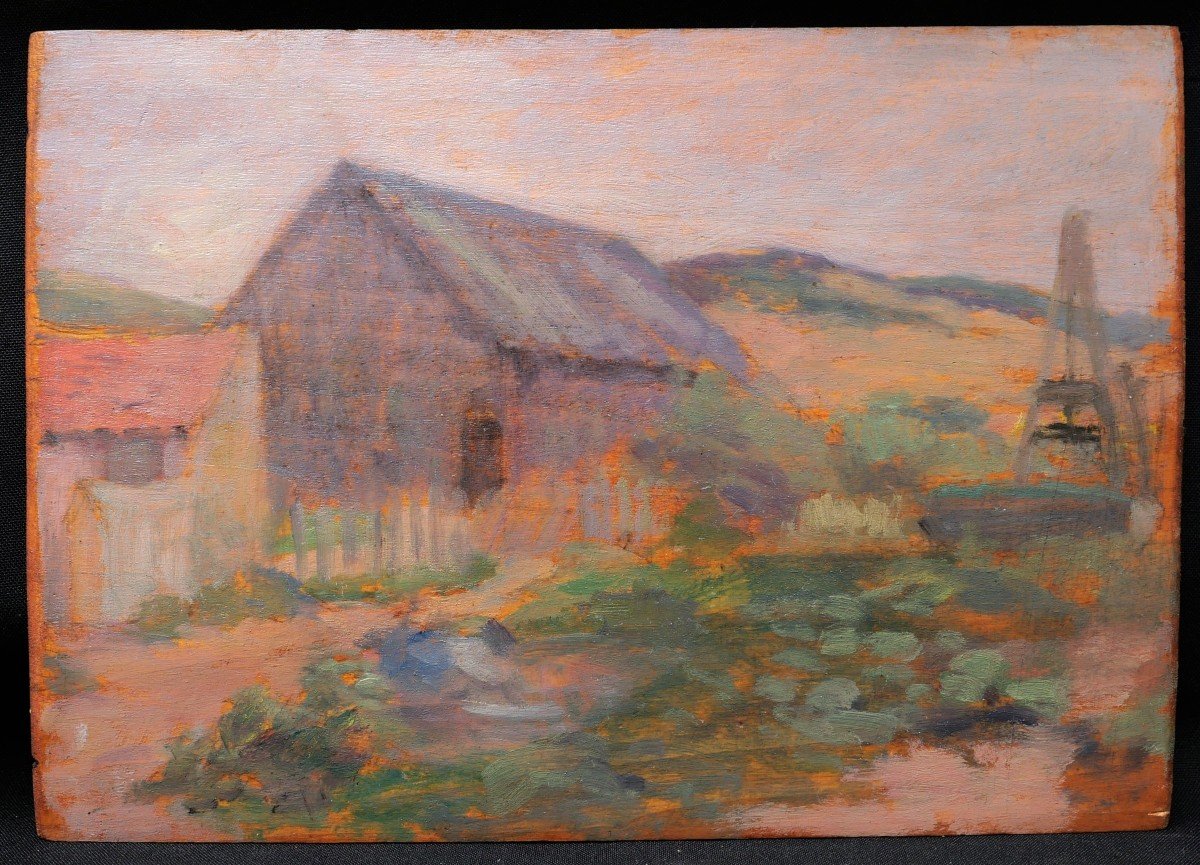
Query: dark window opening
[[482, 454], [135, 459]]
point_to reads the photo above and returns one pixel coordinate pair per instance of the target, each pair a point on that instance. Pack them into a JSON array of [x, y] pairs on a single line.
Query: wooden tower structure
[[1076, 374]]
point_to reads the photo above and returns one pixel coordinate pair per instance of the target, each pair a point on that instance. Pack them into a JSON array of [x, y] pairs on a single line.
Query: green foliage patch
[[257, 593], [393, 586]]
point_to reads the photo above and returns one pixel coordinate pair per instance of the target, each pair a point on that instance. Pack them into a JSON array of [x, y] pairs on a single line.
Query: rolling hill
[[827, 336], [785, 280], [72, 301]]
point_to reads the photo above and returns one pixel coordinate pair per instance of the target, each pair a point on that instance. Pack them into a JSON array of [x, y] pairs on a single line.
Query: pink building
[[149, 468]]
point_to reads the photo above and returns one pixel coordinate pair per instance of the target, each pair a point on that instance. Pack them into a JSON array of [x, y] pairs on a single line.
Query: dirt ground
[[101, 742]]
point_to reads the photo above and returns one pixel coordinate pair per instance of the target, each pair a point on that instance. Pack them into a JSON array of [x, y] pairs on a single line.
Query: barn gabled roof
[[534, 281]]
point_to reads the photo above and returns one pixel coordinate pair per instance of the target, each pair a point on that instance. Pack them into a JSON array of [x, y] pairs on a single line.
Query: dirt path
[[1108, 664], [512, 585], [100, 743], [1006, 787]]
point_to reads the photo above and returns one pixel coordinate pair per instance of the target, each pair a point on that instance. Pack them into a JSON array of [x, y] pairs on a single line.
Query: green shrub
[[257, 593], [64, 679], [160, 617], [265, 756], [897, 440], [391, 587]]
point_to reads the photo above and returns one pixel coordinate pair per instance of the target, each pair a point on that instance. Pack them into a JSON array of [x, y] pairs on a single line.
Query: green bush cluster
[[257, 593], [393, 586], [64, 678], [268, 757]]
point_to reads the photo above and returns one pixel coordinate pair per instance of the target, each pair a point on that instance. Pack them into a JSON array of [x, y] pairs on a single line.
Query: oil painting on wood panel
[[588, 435]]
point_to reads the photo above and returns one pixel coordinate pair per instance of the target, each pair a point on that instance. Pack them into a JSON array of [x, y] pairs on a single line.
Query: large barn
[[416, 337]]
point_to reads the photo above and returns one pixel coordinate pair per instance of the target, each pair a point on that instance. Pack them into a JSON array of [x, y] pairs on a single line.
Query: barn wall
[[568, 418], [564, 425], [402, 433], [366, 359], [370, 362]]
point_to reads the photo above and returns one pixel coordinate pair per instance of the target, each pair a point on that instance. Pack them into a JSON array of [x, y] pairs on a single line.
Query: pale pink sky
[[167, 160]]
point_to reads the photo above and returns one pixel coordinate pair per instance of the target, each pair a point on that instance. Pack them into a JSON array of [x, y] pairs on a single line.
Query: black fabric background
[[1180, 843]]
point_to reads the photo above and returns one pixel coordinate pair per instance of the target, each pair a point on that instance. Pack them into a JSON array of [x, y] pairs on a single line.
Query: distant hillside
[[1007, 297], [784, 280], [77, 301]]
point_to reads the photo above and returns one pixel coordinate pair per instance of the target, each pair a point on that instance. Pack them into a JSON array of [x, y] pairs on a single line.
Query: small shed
[[149, 468]]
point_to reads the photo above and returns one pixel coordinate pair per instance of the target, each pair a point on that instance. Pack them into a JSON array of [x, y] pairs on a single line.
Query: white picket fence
[[618, 512], [435, 528], [600, 508], [127, 543], [411, 529]]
